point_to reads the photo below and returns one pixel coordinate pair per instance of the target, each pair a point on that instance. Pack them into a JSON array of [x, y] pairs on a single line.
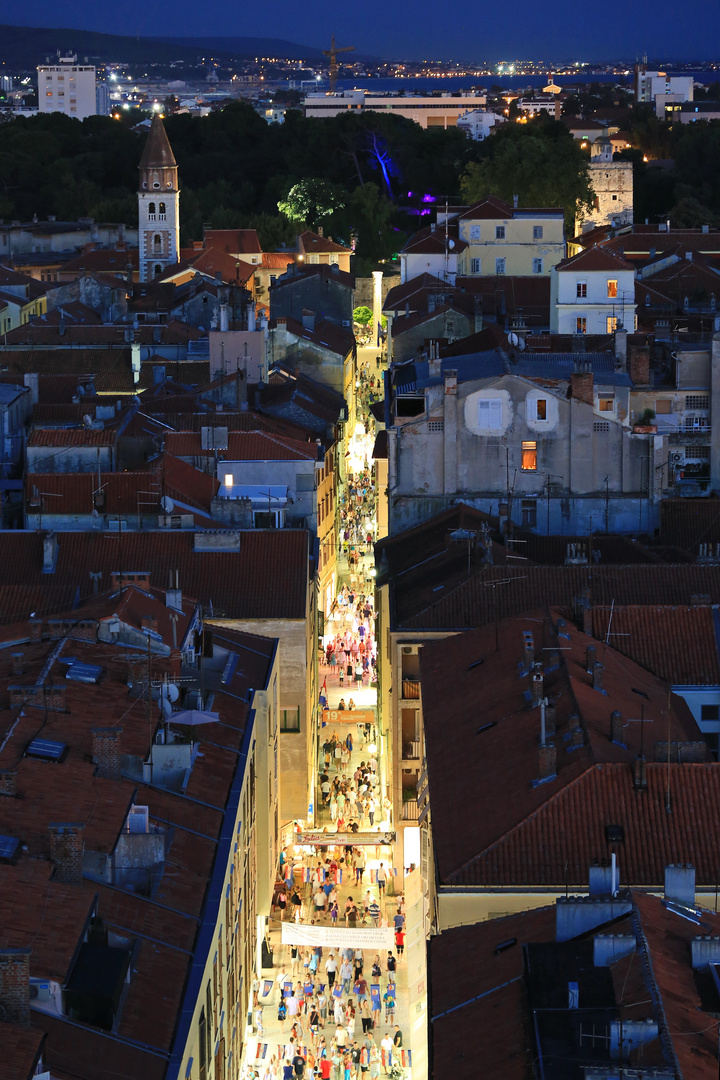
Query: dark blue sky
[[536, 29]]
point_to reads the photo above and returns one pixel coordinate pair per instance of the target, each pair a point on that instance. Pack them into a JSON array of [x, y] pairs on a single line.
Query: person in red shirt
[[400, 942], [325, 1067]]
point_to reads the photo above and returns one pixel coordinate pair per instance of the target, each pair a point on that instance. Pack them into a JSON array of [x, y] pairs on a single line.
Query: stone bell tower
[[158, 205]]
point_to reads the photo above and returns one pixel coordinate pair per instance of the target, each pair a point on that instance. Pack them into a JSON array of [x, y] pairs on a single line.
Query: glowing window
[[529, 456], [612, 288], [228, 479], [541, 409], [581, 325]]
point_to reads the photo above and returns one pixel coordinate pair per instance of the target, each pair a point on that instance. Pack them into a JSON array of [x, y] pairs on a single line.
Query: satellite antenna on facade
[[167, 504], [87, 420], [513, 339]]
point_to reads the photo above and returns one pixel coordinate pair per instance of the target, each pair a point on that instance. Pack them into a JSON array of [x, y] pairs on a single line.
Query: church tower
[[158, 205]]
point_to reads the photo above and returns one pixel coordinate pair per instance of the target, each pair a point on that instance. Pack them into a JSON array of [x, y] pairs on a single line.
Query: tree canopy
[[540, 162]]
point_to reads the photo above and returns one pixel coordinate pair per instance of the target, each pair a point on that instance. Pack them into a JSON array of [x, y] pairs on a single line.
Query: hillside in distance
[[22, 48]]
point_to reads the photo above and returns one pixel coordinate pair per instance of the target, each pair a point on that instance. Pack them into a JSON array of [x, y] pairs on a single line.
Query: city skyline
[[411, 30]]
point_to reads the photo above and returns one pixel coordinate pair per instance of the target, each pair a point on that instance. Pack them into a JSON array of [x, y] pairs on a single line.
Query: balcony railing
[[411, 689]]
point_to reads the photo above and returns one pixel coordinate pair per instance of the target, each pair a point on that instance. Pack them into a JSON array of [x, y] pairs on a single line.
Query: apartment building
[[67, 87]]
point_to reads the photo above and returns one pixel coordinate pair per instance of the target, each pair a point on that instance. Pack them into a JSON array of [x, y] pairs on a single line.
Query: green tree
[[310, 201], [540, 162], [362, 315]]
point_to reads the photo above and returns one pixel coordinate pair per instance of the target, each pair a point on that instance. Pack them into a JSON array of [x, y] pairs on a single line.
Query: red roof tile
[[595, 259], [21, 1049], [309, 241], [72, 437], [243, 446], [548, 833], [676, 643]]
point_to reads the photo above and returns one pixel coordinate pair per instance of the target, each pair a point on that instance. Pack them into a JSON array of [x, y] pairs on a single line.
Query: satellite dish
[[95, 513], [87, 420], [167, 504], [169, 692], [513, 339], [451, 244], [165, 708]]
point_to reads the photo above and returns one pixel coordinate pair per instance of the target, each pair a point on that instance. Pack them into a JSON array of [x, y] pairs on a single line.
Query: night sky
[[418, 29]]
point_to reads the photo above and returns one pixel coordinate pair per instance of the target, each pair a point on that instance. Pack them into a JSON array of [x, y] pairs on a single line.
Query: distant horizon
[[409, 29]]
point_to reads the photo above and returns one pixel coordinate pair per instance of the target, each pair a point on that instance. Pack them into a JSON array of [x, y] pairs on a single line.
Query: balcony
[[411, 689], [410, 811], [411, 750]]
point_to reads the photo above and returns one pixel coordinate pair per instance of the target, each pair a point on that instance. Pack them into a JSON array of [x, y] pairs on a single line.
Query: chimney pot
[[576, 736], [538, 683], [17, 663], [616, 727], [590, 659], [640, 773], [528, 649]]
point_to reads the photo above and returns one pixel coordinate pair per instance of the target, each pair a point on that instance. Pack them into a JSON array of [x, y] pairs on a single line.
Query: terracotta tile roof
[[21, 1049], [433, 240], [39, 336], [309, 241], [687, 523], [267, 579], [676, 643], [470, 602], [407, 322], [234, 241], [595, 259], [415, 292], [74, 313], [102, 260], [60, 371], [490, 207], [83, 1052], [62, 913], [72, 437], [277, 260], [526, 291], [214, 261], [338, 339], [474, 988], [243, 446]]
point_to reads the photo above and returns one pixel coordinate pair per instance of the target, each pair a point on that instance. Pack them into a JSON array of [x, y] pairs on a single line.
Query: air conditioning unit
[[676, 458]]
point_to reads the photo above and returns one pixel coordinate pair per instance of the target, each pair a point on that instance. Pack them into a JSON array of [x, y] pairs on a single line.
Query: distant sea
[[511, 82]]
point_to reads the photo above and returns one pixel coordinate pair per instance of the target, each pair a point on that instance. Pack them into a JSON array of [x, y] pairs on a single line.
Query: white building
[[660, 89], [67, 87], [479, 123], [426, 110], [592, 293]]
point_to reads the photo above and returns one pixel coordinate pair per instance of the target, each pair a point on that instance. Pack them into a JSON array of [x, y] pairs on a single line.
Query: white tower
[[158, 205]]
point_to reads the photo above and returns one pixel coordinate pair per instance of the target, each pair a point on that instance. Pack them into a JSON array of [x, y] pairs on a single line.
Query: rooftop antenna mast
[[332, 53]]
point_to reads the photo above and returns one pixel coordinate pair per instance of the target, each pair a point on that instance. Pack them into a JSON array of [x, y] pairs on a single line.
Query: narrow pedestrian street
[[351, 795]]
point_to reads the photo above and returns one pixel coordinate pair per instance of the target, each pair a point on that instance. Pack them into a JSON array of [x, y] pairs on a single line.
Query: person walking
[[387, 1052], [296, 905], [389, 999], [366, 1015], [330, 969], [359, 865], [381, 879], [374, 913], [346, 972]]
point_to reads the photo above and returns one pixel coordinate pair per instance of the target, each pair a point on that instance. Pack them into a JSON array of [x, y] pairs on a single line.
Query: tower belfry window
[[157, 242], [162, 211], [151, 211]]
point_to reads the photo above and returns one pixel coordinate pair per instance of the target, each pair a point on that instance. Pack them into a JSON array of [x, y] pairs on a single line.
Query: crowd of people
[[330, 1009]]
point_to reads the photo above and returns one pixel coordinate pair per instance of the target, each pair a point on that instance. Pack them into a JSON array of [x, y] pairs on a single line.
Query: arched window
[[151, 211], [158, 269], [162, 211], [157, 243]]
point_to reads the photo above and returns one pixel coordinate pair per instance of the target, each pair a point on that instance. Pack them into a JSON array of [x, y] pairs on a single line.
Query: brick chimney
[[616, 727], [597, 676], [581, 386], [15, 986], [537, 686], [576, 736], [547, 761], [36, 626], [639, 365], [528, 649], [17, 663], [8, 782], [590, 658], [106, 751], [66, 851]]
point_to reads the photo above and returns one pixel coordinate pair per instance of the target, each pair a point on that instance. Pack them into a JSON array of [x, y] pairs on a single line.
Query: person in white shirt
[[331, 968], [387, 1046]]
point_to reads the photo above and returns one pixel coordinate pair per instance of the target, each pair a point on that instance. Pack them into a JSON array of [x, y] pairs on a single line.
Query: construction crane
[[332, 54]]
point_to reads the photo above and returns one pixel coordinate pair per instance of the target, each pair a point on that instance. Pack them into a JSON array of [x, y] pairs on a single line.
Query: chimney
[[577, 914], [50, 553], [17, 663], [616, 727], [173, 595], [590, 658], [597, 677], [106, 752], [15, 986], [528, 649], [66, 851], [516, 200], [639, 365], [621, 347], [576, 737], [538, 684], [8, 782], [581, 386], [640, 773], [680, 883], [547, 762]]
